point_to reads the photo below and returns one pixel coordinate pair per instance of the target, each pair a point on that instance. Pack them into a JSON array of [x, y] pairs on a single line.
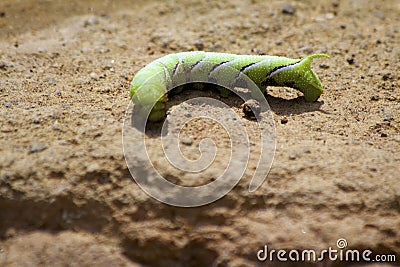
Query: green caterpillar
[[148, 88]]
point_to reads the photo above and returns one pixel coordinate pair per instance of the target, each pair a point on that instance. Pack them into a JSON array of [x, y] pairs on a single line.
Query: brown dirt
[[66, 195]]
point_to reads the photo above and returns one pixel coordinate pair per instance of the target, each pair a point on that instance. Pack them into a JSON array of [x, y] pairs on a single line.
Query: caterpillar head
[[299, 76]]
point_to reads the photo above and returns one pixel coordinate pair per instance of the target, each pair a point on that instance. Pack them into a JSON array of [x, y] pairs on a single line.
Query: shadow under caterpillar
[[150, 86]]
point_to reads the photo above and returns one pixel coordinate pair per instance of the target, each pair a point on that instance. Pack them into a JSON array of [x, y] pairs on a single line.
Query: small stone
[[324, 66], [93, 167], [7, 105], [37, 147], [350, 61], [216, 47], [199, 45], [36, 120], [2, 14], [342, 26], [288, 9], [329, 15], [186, 141], [105, 90], [372, 168], [384, 135], [258, 51], [293, 156], [306, 149], [374, 97], [386, 76], [55, 55], [58, 93], [251, 108], [91, 21], [94, 76], [284, 120]]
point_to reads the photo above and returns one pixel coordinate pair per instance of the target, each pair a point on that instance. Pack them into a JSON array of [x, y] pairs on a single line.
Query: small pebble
[[386, 76], [7, 105], [37, 147], [91, 21], [199, 44], [186, 141], [93, 167], [330, 15], [251, 108], [384, 135], [306, 149], [293, 156], [284, 120], [288, 9], [350, 61], [216, 47], [375, 97], [105, 90], [324, 66], [258, 51], [372, 168], [57, 93], [94, 76]]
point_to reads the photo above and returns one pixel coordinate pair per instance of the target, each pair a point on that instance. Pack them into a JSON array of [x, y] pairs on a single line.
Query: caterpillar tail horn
[[311, 85], [301, 77]]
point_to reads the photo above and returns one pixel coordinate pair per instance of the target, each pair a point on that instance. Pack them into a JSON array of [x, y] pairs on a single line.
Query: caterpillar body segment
[[148, 88]]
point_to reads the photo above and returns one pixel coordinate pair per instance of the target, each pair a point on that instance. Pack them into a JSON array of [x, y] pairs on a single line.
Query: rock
[[386, 75], [350, 61], [284, 120], [91, 21], [293, 156], [186, 141], [37, 120], [199, 45], [374, 97], [94, 76], [306, 149], [37, 147], [288, 9], [324, 66], [251, 108]]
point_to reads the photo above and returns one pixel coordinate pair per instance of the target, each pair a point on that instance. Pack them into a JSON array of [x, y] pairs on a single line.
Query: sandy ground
[[67, 197]]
